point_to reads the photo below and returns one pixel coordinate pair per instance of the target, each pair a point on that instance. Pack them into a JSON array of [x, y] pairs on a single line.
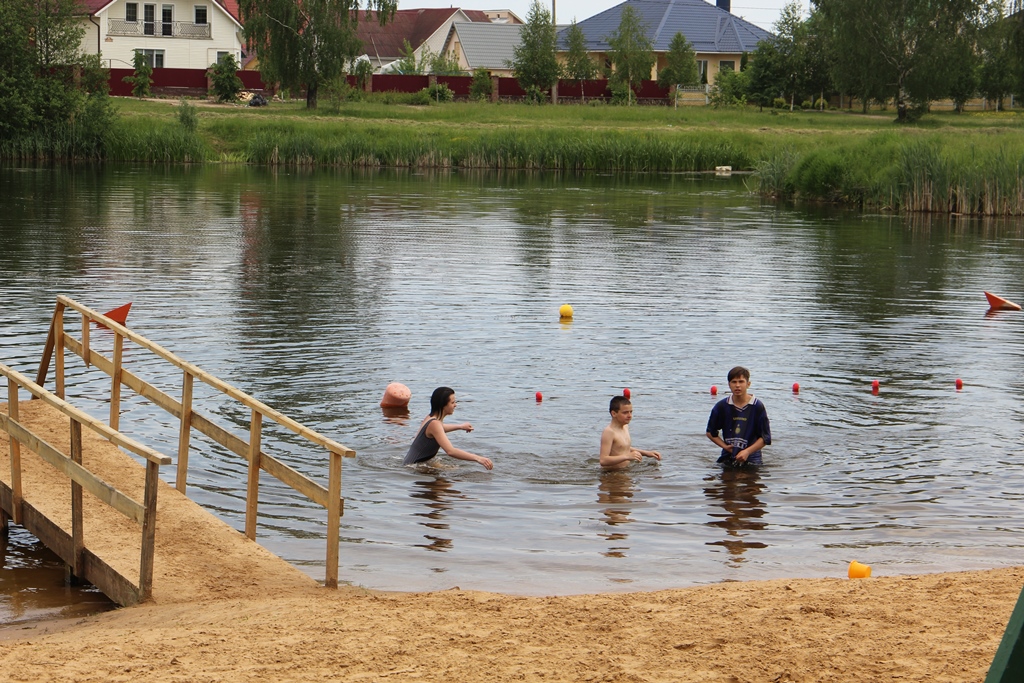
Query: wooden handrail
[[211, 380], [97, 426]]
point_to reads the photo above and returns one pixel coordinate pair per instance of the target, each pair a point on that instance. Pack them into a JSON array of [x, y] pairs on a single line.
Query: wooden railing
[[143, 513], [329, 497]]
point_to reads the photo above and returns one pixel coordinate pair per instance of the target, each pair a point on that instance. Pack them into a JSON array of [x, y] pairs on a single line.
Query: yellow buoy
[[565, 311]]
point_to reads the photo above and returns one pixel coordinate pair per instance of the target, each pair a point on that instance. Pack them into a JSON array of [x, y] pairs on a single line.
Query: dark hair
[[439, 399], [739, 371], [615, 405]]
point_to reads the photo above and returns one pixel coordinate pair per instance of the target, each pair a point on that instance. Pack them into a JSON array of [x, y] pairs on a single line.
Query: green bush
[[806, 104], [779, 103], [481, 87], [440, 92], [535, 95], [142, 78], [821, 104], [224, 80], [188, 117], [620, 92]]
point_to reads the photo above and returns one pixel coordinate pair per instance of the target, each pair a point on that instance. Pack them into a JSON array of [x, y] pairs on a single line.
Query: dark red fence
[[193, 82]]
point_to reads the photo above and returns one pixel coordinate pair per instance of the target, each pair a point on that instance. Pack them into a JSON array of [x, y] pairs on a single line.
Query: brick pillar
[[494, 88], [368, 86]]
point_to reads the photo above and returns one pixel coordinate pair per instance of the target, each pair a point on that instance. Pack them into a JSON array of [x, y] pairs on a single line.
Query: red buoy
[[959, 384], [625, 392], [796, 387], [714, 390], [540, 397], [874, 387]]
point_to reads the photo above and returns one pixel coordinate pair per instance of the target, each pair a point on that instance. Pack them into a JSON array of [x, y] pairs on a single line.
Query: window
[[727, 65], [148, 19], [167, 20], [155, 58], [702, 68], [221, 56], [201, 15], [131, 11]]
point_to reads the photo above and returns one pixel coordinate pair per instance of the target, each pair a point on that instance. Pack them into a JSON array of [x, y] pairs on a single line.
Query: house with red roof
[[424, 29], [170, 33]]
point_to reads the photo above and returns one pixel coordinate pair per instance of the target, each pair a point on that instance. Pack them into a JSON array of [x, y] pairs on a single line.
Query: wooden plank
[[252, 492], [58, 340], [94, 570], [1008, 664], [212, 380], [115, 586], [149, 532], [13, 410], [85, 340], [333, 520], [97, 426], [89, 481], [4, 522], [115, 383], [184, 433], [44, 363], [77, 527]]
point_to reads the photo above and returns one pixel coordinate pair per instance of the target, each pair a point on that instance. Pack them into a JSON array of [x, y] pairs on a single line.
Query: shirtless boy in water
[[617, 451]]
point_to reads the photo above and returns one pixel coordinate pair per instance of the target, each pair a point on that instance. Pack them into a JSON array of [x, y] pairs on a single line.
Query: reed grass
[[948, 163]]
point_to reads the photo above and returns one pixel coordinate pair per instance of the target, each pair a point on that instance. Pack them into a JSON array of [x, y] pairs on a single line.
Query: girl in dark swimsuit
[[432, 435]]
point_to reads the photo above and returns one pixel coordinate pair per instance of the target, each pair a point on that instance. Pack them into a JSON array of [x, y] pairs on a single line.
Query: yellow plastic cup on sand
[[859, 571]]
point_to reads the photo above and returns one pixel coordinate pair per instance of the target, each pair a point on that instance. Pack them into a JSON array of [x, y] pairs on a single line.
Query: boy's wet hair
[[615, 405], [739, 371]]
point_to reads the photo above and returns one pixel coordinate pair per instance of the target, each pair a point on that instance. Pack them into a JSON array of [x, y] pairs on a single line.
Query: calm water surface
[[312, 291]]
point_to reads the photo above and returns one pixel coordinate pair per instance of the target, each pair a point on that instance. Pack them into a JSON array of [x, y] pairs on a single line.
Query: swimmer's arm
[[648, 454], [752, 448], [606, 458], [437, 432], [465, 425], [719, 441]]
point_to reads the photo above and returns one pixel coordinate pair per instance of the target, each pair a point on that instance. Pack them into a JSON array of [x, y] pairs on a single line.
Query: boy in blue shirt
[[743, 422]]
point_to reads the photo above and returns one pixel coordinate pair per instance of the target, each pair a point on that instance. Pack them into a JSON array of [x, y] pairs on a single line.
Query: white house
[[182, 34]]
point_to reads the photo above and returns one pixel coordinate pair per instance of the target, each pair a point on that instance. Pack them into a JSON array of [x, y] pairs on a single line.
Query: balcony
[[158, 29]]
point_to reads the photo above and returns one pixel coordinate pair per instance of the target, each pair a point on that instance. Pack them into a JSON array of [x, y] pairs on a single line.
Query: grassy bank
[[951, 163]]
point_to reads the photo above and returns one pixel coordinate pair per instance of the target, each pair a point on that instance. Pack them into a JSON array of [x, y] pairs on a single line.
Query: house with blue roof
[[719, 38]]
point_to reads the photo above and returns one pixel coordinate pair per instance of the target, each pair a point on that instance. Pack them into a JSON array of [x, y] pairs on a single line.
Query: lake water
[[313, 290]]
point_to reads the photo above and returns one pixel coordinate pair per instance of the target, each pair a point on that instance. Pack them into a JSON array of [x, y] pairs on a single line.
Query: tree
[[142, 76], [534, 63], [225, 80], [445, 64], [482, 86], [407, 65], [578, 64], [995, 73], [306, 42], [681, 69], [630, 50], [902, 48]]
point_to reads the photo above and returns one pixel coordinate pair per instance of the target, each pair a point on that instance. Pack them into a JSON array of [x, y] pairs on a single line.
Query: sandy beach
[[225, 609], [940, 627]]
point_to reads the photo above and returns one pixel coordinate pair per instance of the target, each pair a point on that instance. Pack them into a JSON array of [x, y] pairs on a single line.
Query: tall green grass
[[929, 174], [133, 139]]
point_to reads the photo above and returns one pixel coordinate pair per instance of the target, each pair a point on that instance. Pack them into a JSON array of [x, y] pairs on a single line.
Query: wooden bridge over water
[[67, 478]]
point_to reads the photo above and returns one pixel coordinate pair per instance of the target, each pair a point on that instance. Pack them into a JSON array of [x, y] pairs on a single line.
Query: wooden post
[[85, 340], [44, 362], [253, 489], [1008, 664], [77, 527], [115, 384], [58, 344], [148, 531], [494, 88], [4, 519], [184, 433], [13, 412], [333, 519]]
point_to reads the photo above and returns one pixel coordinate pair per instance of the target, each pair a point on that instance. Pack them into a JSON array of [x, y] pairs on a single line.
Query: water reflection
[[396, 416], [438, 494], [615, 490], [736, 491]]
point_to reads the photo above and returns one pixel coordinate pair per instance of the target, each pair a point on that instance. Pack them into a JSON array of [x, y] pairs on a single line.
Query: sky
[[764, 13]]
